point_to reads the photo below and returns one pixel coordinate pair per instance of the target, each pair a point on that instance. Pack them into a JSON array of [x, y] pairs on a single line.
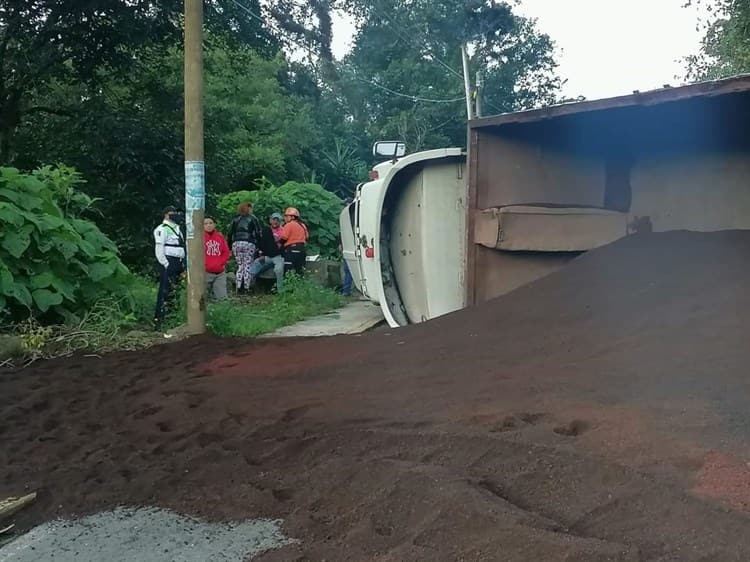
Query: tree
[[403, 76], [97, 84], [127, 136], [725, 49], [42, 41], [46, 42]]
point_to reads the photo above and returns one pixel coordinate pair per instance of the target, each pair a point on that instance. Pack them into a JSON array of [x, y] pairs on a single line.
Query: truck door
[[350, 240]]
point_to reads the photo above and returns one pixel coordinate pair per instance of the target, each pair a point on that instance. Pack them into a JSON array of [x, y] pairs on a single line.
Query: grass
[[248, 317], [125, 323], [111, 324]]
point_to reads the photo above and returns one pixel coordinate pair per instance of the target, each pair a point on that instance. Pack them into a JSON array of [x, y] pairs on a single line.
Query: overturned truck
[[436, 231]]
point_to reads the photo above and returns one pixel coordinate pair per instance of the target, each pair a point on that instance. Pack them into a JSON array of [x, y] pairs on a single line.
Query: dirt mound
[[597, 414]]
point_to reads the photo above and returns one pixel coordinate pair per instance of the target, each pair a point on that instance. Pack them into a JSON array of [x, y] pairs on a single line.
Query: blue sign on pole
[[195, 193]]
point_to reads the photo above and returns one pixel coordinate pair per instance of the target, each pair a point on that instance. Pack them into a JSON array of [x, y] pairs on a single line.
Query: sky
[[605, 47]]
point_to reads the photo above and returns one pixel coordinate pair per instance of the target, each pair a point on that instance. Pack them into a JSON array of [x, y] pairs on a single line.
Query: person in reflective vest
[[169, 248]]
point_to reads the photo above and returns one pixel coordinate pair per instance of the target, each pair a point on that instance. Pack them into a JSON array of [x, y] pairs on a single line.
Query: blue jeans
[[264, 264], [346, 288], [168, 278]]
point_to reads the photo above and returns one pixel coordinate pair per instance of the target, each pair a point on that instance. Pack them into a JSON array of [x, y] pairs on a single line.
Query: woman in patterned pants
[[243, 235]]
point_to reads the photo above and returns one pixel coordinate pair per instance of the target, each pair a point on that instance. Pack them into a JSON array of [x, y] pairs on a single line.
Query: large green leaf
[[16, 241], [65, 288], [7, 286], [22, 199], [21, 294], [48, 222], [80, 265], [43, 280], [44, 299], [101, 270], [9, 215], [87, 248], [67, 248]]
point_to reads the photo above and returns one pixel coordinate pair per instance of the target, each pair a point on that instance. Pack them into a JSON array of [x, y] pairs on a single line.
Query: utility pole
[[195, 176], [479, 94], [467, 83]]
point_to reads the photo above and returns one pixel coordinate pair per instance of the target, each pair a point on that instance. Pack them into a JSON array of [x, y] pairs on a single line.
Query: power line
[[400, 33], [396, 30], [249, 11], [390, 91], [391, 25], [408, 96]]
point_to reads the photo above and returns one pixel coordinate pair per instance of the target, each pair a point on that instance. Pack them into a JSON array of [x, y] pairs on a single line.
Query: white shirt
[[168, 242]]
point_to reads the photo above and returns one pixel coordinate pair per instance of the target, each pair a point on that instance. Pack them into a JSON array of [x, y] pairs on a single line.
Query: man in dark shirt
[[269, 252]]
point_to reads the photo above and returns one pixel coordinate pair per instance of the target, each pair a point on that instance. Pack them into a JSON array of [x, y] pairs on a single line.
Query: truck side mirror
[[389, 149]]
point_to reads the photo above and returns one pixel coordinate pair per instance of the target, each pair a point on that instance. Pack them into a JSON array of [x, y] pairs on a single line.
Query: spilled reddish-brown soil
[[598, 414]]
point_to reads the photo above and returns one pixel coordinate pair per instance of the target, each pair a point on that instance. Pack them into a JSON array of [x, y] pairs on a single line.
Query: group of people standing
[[280, 245]]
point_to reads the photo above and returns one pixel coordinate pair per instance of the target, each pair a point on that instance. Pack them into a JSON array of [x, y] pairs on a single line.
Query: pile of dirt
[[597, 414]]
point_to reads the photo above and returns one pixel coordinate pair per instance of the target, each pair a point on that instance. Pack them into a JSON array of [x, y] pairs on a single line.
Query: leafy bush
[[54, 264], [319, 209]]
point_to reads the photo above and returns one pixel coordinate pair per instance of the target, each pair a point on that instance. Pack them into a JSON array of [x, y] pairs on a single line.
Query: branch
[[287, 23], [12, 505]]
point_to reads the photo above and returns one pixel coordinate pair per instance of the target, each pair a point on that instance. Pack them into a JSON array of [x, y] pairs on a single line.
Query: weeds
[[106, 327], [124, 323], [111, 324], [299, 299]]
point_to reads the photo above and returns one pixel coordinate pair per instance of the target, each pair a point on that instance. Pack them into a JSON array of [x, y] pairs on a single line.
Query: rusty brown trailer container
[[669, 159]]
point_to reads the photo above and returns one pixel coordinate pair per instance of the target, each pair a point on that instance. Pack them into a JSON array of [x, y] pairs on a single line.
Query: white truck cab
[[404, 234]]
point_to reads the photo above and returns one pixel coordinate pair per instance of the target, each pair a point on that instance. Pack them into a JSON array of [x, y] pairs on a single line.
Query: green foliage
[[319, 208], [300, 299], [53, 263], [98, 85], [106, 327], [47, 43], [414, 49], [725, 49], [253, 129], [342, 168]]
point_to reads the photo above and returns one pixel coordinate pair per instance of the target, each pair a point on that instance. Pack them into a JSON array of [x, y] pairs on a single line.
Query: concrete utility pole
[[467, 83], [195, 176]]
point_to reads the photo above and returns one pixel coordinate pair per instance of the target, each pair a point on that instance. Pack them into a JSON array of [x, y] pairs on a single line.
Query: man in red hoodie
[[217, 256]]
